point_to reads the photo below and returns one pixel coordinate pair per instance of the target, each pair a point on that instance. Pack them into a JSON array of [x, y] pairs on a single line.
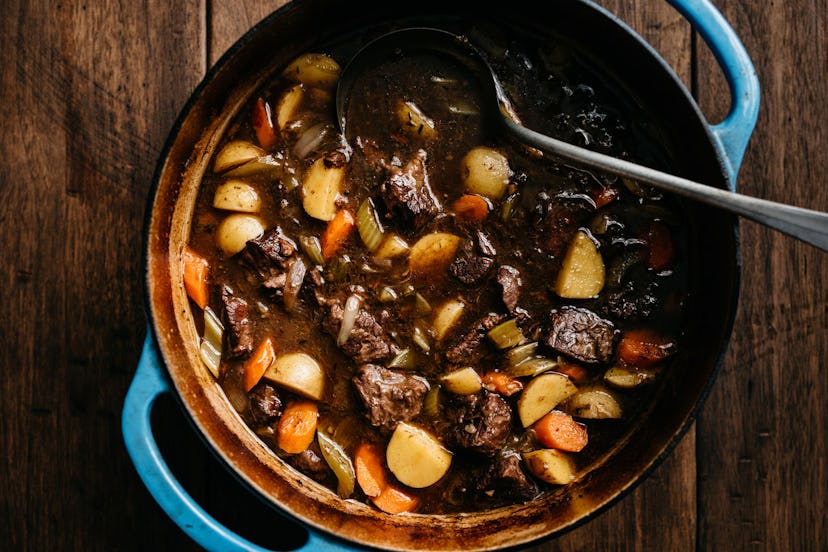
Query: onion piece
[[293, 283], [310, 139], [352, 305]]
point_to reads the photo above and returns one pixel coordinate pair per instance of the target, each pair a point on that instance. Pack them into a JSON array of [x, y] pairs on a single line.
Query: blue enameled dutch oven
[[170, 363]]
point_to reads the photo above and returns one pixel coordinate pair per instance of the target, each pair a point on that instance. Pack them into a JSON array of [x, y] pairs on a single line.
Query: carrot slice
[[263, 124], [560, 431], [297, 426], [373, 479], [576, 372], [370, 471], [337, 231], [501, 383], [258, 363], [471, 207], [394, 500], [196, 277], [604, 196], [660, 243], [644, 347]]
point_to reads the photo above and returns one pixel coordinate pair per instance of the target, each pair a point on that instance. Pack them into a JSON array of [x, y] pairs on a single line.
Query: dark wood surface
[[88, 94]]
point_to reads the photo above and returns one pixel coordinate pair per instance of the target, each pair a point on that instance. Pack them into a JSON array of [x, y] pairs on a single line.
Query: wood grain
[[763, 459], [89, 94]]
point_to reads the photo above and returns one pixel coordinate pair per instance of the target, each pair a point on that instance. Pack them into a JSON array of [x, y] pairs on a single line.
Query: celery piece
[[531, 367], [421, 306], [404, 359], [211, 342], [506, 334], [431, 402], [312, 248], [339, 462], [420, 337], [369, 226], [521, 352]]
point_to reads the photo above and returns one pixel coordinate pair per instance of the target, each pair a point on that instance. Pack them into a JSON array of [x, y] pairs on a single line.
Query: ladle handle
[[806, 225], [733, 133], [147, 385]]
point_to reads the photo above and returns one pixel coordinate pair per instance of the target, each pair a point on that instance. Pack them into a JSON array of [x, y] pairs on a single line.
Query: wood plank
[[228, 21], [84, 120], [764, 473]]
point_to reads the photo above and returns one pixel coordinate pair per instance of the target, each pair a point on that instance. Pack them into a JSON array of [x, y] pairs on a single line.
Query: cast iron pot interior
[[303, 26]]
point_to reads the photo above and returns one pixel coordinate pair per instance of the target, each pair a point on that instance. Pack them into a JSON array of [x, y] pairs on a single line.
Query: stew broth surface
[[495, 274]]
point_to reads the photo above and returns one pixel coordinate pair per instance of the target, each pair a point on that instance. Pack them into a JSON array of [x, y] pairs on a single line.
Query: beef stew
[[426, 316]]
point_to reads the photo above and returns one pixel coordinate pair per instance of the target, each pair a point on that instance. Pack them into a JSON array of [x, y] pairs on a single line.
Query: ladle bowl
[[804, 224]]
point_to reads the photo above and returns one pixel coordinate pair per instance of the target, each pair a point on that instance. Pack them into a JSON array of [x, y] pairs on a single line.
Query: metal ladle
[[804, 224]]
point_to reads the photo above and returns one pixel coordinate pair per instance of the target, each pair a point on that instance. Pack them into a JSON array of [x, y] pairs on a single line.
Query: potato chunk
[[235, 153], [288, 106], [314, 69], [237, 195], [485, 171], [298, 372], [432, 253], [414, 122], [392, 246], [550, 465], [625, 377], [463, 381], [542, 394], [446, 317], [582, 271], [594, 403], [320, 190], [415, 457], [235, 230]]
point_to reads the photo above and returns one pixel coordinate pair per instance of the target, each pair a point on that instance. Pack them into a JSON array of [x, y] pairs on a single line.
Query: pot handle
[[733, 133], [147, 385]]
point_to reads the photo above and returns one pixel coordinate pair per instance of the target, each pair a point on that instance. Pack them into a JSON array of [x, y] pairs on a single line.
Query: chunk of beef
[[504, 480], [474, 259], [472, 346], [509, 279], [265, 404], [316, 285], [311, 462], [367, 341], [274, 261], [481, 423], [581, 334], [559, 217], [408, 194], [389, 397], [269, 253], [372, 154], [335, 159], [236, 320], [632, 301], [469, 266]]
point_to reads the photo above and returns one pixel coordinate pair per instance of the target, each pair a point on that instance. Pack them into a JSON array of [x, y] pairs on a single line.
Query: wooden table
[[89, 93]]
